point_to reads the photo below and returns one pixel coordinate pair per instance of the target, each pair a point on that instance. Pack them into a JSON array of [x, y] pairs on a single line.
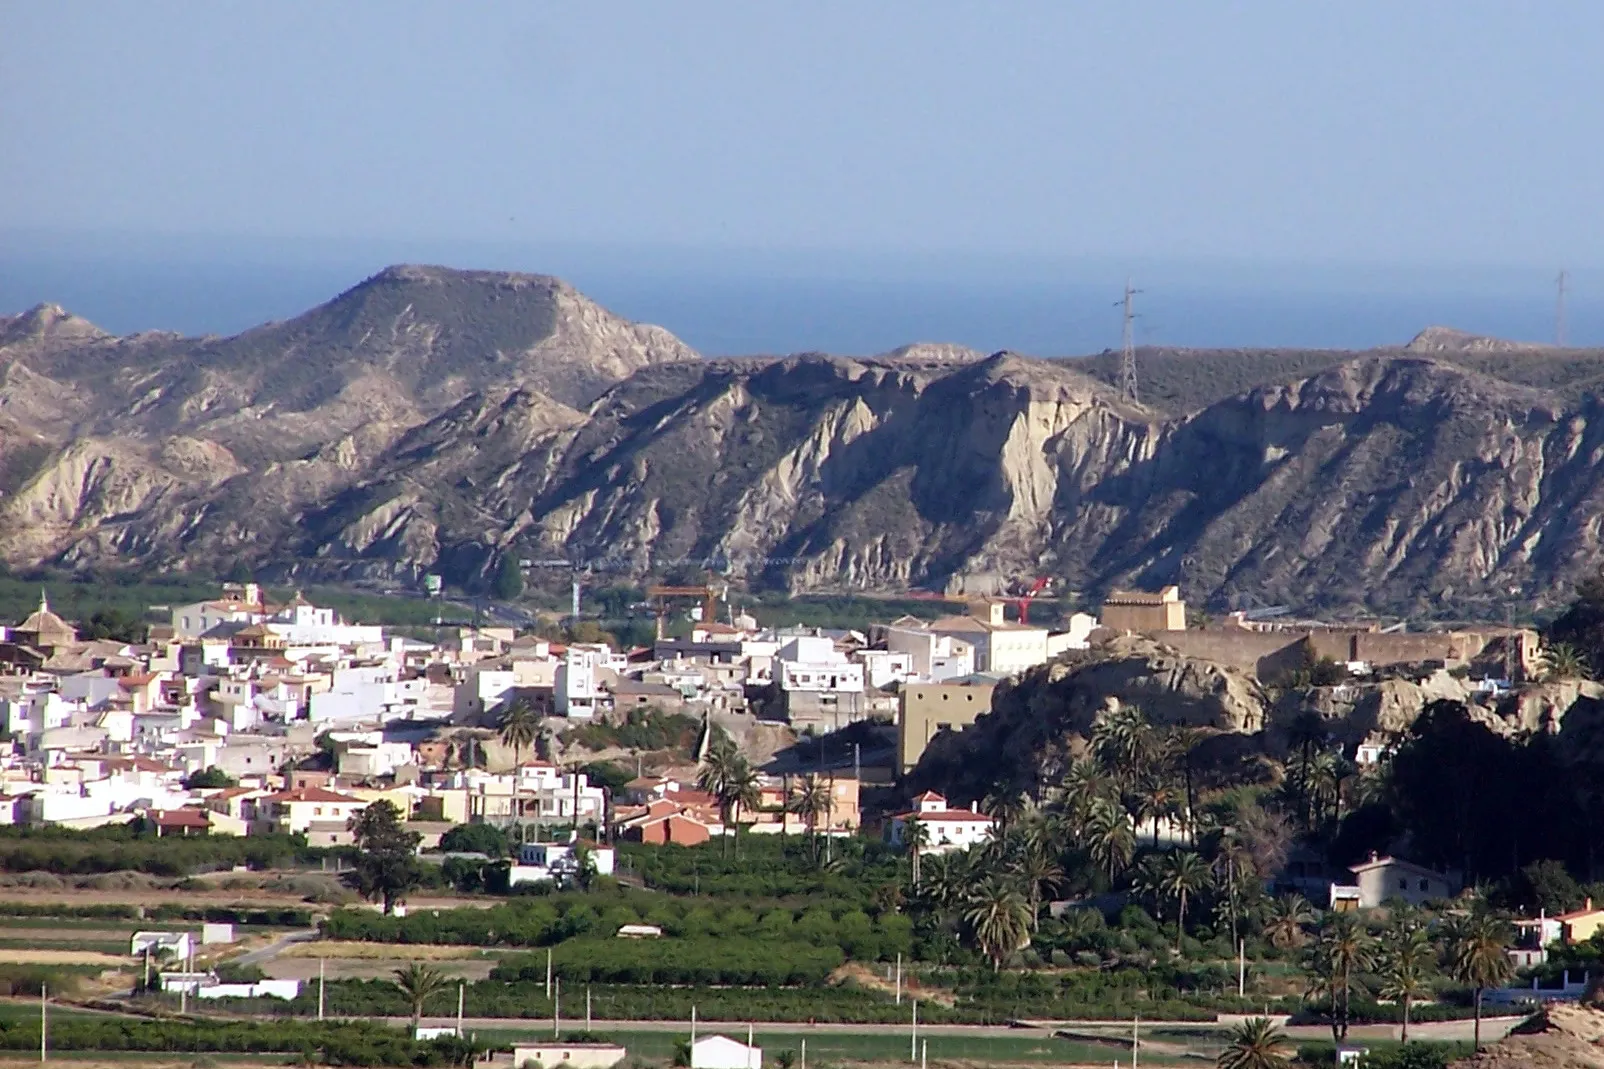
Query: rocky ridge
[[431, 419]]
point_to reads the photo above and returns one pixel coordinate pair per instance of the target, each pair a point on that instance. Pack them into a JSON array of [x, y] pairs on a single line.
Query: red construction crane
[[1023, 603]]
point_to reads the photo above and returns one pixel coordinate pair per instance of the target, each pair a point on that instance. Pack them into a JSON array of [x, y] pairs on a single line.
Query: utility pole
[[1559, 309], [1127, 361]]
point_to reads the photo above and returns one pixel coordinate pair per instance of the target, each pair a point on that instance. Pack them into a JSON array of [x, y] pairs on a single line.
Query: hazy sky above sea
[[1275, 155]]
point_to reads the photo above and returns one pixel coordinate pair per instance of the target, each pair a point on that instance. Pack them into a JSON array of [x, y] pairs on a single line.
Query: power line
[[1127, 362]]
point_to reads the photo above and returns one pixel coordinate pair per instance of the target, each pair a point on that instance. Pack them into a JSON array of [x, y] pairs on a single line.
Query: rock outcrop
[[1039, 722], [431, 419]]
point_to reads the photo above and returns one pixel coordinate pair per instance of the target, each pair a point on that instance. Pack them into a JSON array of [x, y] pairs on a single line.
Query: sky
[[1312, 148]]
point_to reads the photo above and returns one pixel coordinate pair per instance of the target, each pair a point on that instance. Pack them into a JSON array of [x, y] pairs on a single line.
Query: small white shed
[[214, 932], [177, 945], [722, 1052]]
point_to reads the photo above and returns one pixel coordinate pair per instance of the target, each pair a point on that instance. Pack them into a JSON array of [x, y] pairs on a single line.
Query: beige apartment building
[[1140, 612], [926, 708]]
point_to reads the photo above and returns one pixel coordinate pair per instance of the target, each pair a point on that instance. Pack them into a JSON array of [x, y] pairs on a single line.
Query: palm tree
[[1477, 946], [1006, 805], [1563, 661], [1286, 920], [1305, 733], [915, 837], [718, 770], [1086, 782], [1109, 838], [810, 799], [1406, 966], [945, 879], [1038, 871], [1342, 950], [1155, 801], [1255, 1044], [741, 788], [1121, 737], [1182, 875], [419, 983], [518, 726], [999, 917]]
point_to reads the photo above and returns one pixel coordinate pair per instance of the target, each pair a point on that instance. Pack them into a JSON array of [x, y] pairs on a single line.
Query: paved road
[[277, 947], [1492, 1028]]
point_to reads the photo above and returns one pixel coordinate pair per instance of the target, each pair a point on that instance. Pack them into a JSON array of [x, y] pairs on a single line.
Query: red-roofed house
[[179, 821], [664, 822], [944, 828]]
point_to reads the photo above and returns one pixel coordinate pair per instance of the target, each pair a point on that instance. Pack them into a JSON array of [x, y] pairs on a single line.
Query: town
[[485, 770]]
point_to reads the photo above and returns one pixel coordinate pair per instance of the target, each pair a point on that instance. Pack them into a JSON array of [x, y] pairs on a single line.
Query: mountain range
[[431, 419]]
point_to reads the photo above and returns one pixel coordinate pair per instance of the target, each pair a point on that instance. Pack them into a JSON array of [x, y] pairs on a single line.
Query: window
[[1403, 884], [1425, 885]]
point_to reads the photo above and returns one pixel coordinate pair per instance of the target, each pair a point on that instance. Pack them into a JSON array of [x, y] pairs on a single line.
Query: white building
[[944, 828], [367, 692], [884, 668], [176, 945], [302, 624], [722, 1052], [556, 862], [241, 604], [1001, 646], [577, 688], [482, 688], [934, 658]]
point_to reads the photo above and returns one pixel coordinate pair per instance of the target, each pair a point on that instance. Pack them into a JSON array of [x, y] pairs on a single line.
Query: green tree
[[1405, 970], [211, 776], [733, 783], [387, 867], [1038, 871], [509, 582], [1182, 876], [1562, 661], [1255, 1044], [1342, 949], [1286, 919], [1477, 946], [475, 839], [1000, 920], [418, 983], [1109, 838], [517, 726], [809, 799]]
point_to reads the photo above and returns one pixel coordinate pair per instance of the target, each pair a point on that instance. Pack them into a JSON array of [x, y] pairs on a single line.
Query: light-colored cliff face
[[435, 419]]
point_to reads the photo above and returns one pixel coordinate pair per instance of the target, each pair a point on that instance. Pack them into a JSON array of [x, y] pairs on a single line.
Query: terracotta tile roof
[[180, 818]]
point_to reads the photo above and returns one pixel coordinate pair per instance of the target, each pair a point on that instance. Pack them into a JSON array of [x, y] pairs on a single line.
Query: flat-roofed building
[[925, 709], [1142, 612]]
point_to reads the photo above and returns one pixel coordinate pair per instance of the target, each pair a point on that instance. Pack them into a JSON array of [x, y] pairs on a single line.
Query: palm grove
[[1145, 814]]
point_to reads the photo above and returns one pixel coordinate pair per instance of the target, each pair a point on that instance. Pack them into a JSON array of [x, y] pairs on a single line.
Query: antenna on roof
[[1127, 361]]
